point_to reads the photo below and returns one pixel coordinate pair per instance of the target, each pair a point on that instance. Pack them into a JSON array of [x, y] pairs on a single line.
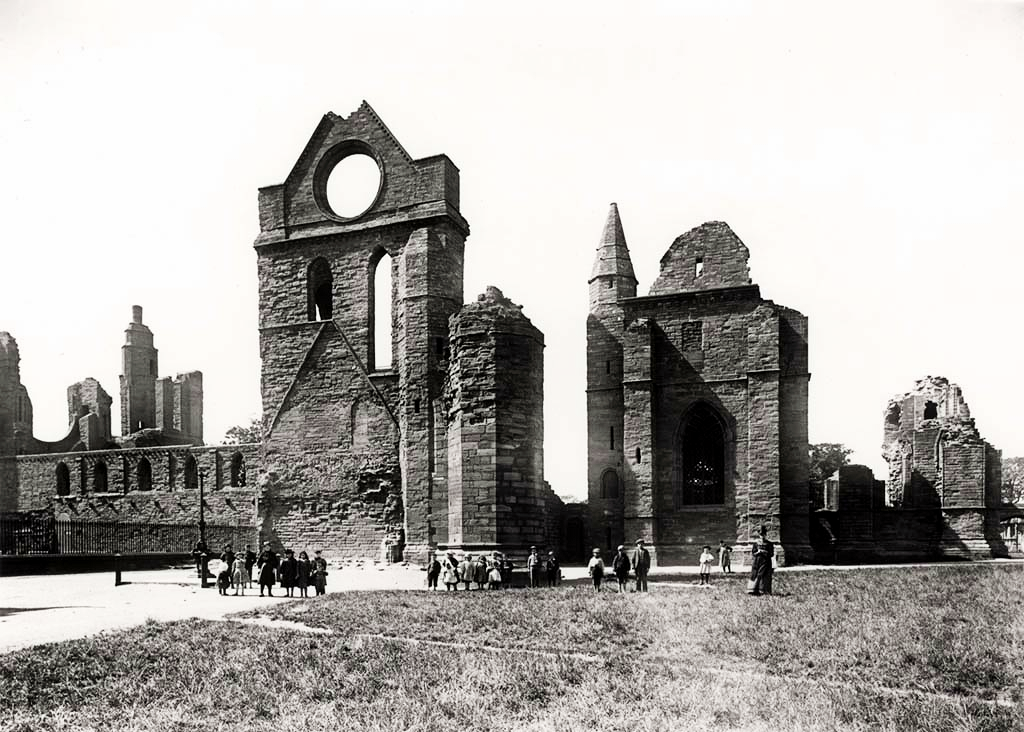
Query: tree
[[826, 458], [242, 434], [1013, 480]]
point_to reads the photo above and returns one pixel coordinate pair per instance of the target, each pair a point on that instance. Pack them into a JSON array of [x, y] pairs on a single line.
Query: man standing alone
[[641, 565], [534, 565]]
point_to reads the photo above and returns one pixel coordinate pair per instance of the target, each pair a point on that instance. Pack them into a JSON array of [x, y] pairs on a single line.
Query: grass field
[[933, 648]]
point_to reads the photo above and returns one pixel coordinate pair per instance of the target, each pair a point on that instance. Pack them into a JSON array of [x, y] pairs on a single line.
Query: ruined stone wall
[[722, 348], [88, 396], [352, 454], [170, 499], [10, 385], [794, 458], [939, 465], [721, 256], [496, 493], [702, 343]]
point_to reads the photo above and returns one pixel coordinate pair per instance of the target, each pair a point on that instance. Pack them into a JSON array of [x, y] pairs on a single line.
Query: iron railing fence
[[39, 535]]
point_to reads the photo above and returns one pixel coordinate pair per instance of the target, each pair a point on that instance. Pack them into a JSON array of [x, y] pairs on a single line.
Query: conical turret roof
[[612, 253]]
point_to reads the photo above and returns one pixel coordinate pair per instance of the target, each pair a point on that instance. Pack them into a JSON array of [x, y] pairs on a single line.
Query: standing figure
[[620, 566], [596, 569], [223, 576], [250, 562], [433, 572], [494, 576], [641, 565], [706, 560], [303, 570], [467, 570], [239, 574], [200, 553], [554, 571], [506, 571], [480, 576], [450, 572], [228, 556], [286, 573], [533, 566], [266, 565], [725, 558], [762, 552], [319, 573]]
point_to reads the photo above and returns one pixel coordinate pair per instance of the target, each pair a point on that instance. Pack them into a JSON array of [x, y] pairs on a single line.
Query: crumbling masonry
[[696, 403]]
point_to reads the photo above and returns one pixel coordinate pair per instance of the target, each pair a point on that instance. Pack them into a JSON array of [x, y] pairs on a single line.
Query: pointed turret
[[611, 277]]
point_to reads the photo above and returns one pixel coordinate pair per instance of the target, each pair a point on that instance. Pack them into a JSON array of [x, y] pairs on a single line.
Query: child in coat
[[239, 574], [319, 573], [706, 560], [223, 576], [596, 569]]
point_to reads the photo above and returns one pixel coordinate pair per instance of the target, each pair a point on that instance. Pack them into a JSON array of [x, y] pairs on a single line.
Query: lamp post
[[202, 531], [202, 500]]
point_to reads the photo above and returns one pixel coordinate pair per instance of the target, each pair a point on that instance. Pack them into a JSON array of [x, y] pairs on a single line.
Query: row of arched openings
[[320, 303], [144, 475]]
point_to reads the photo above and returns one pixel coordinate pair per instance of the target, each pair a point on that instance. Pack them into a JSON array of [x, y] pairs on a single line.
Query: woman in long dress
[[761, 553]]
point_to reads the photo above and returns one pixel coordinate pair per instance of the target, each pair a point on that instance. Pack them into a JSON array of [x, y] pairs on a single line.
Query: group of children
[[236, 571], [622, 564], [494, 572]]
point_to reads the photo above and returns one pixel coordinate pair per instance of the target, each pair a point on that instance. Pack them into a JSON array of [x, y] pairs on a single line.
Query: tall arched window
[[703, 458], [99, 477], [237, 470], [63, 480], [383, 316], [931, 410], [191, 474], [610, 484], [320, 290], [144, 472]]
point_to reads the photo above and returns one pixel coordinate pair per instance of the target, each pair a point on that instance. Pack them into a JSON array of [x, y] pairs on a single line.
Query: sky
[[870, 156]]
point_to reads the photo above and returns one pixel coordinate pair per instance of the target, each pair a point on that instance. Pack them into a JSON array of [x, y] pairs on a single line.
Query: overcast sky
[[870, 157]]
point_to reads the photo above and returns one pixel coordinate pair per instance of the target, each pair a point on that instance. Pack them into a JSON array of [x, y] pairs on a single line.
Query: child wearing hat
[[706, 560], [620, 566], [596, 569]]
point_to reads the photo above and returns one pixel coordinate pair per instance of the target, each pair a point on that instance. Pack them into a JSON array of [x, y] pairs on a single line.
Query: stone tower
[[139, 369], [697, 402], [496, 498], [611, 280], [355, 455]]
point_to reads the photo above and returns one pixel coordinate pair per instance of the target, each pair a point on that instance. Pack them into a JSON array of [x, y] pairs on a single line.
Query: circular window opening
[[352, 185]]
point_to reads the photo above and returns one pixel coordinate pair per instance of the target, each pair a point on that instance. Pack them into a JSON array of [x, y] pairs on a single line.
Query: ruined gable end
[[707, 257]]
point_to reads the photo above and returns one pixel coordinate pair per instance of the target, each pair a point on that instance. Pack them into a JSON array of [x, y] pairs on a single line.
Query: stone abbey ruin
[[696, 405]]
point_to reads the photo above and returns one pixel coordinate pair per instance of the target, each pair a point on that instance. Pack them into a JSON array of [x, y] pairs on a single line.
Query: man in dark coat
[[641, 562], [554, 571], [266, 565]]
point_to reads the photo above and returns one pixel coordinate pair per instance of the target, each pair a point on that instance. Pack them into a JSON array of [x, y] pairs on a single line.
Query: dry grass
[[935, 649]]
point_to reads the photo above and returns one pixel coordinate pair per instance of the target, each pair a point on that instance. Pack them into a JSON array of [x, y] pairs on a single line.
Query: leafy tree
[[826, 458], [242, 434], [1013, 480]]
